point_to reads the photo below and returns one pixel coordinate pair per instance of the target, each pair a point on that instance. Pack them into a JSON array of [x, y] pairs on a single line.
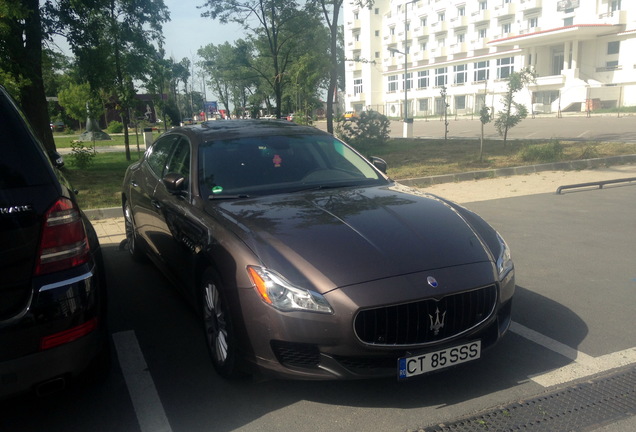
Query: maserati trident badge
[[438, 324], [432, 281]]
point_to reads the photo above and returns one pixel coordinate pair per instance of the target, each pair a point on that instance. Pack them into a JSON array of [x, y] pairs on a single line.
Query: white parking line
[[145, 399], [582, 134], [582, 364]]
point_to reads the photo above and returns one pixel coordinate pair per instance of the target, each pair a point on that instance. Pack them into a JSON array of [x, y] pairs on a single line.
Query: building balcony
[[439, 51], [530, 4], [353, 45], [550, 80], [439, 27], [421, 31], [460, 21], [479, 44], [358, 97], [420, 55], [505, 9], [480, 16], [355, 24], [390, 39], [458, 48], [614, 18]]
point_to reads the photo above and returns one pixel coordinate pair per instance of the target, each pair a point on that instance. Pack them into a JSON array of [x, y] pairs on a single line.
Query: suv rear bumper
[[57, 337], [65, 362]]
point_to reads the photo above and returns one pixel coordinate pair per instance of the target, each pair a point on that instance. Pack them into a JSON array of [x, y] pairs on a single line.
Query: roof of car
[[222, 129]]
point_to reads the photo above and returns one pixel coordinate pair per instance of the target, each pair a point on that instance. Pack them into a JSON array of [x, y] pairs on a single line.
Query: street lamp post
[[407, 130]]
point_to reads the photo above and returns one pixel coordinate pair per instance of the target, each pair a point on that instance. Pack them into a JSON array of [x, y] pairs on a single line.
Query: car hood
[[338, 237]]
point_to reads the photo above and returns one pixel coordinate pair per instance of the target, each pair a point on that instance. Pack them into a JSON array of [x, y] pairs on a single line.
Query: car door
[[179, 234], [143, 183]]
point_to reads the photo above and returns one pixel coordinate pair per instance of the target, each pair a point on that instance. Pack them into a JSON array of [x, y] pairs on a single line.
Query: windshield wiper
[[213, 197]]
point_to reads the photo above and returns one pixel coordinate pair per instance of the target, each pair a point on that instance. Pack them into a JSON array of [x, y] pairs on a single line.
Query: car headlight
[[504, 261], [282, 295]]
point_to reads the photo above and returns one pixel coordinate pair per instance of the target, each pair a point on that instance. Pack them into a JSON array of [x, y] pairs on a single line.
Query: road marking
[[583, 365], [142, 390], [581, 135]]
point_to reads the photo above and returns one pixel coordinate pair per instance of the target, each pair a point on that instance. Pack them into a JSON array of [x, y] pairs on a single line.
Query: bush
[[81, 156], [115, 127], [369, 128], [550, 152]]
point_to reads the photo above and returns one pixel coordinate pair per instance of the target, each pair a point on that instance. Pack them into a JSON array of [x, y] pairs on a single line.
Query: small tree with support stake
[[513, 112]]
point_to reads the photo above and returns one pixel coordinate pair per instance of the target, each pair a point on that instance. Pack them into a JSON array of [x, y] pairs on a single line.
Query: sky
[[186, 31]]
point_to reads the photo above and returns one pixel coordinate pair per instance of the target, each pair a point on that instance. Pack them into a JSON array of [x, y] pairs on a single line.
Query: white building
[[583, 52]]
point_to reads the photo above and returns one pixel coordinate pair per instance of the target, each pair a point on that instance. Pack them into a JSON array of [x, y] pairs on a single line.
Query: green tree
[[513, 112], [484, 118], [23, 31], [77, 99], [274, 24], [114, 41]]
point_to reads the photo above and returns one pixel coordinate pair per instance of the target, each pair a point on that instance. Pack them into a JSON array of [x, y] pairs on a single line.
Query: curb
[[116, 212], [104, 213], [522, 170]]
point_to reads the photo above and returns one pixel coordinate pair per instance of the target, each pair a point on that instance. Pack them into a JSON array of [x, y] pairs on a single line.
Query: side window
[[180, 160], [157, 155]]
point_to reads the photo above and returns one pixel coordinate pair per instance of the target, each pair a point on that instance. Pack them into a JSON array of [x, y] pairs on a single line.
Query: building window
[[377, 54], [423, 21], [461, 74], [423, 105], [533, 22], [568, 22], [357, 86], [483, 5], [461, 37], [481, 33], [422, 79], [377, 11], [356, 37], [461, 11], [611, 65], [505, 66], [393, 83], [422, 46], [377, 32], [441, 16], [615, 5], [506, 28], [409, 81], [391, 30], [441, 76], [356, 16], [482, 72], [613, 47], [460, 102]]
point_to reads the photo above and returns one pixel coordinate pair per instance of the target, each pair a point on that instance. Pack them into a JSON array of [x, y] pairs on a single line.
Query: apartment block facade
[[583, 53]]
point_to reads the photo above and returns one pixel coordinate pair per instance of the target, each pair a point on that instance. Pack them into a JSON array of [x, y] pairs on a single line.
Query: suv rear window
[[21, 164]]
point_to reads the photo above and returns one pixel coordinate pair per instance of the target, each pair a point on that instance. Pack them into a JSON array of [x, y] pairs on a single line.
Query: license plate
[[433, 361]]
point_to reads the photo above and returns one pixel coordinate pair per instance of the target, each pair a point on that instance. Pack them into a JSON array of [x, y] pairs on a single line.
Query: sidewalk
[[461, 188]]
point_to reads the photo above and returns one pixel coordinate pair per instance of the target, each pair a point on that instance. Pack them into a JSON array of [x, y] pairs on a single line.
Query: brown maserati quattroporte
[[304, 260]]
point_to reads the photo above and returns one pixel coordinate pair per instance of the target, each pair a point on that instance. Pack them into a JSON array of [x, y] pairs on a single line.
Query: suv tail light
[[63, 243]]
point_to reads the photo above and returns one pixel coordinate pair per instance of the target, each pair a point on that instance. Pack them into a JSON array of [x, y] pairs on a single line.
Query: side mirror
[[175, 183], [379, 163], [57, 159]]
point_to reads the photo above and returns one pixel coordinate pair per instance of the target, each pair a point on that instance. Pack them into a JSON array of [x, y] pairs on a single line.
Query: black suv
[[52, 289]]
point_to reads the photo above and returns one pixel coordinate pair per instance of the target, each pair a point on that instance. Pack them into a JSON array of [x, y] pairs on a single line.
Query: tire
[[132, 241], [217, 324]]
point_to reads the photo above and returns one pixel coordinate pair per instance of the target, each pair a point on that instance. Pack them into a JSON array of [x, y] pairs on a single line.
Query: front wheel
[[217, 323]]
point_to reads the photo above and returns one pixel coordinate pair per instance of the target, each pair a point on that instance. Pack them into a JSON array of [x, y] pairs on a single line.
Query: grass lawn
[[100, 184]]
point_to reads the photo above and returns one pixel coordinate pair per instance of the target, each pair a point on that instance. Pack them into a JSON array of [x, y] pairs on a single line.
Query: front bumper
[[319, 346]]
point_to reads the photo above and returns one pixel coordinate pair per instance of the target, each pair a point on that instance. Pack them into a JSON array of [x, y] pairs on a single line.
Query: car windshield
[[279, 164]]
